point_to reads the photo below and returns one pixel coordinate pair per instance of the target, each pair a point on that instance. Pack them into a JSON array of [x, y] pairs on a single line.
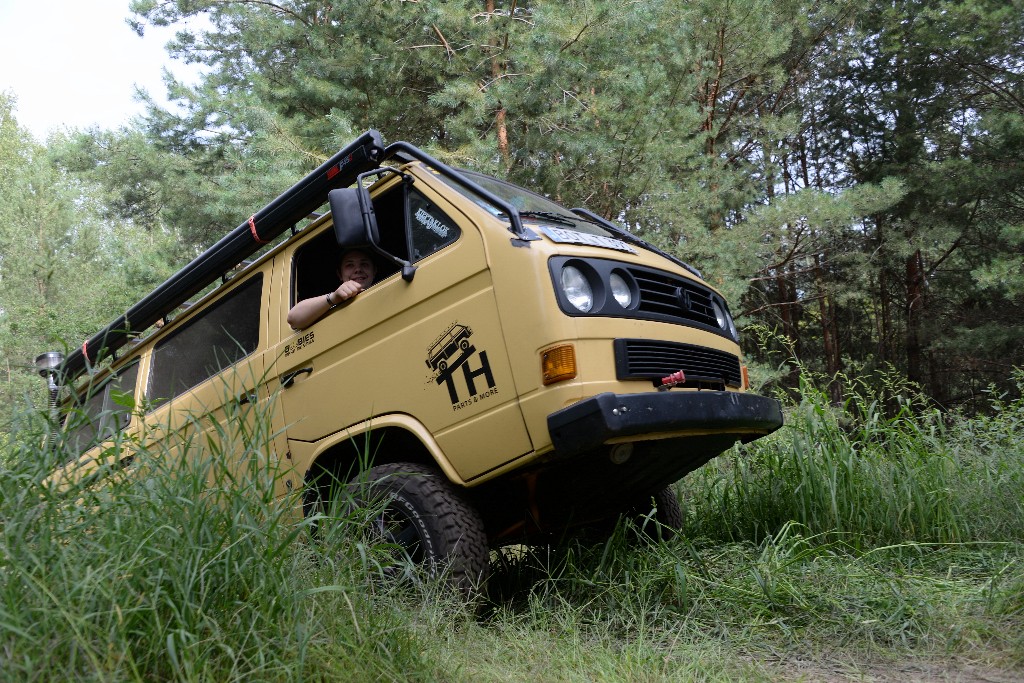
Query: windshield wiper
[[550, 216]]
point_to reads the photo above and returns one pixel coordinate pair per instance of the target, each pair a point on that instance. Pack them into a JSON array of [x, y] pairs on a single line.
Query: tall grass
[[868, 476], [857, 527], [855, 534], [185, 567]]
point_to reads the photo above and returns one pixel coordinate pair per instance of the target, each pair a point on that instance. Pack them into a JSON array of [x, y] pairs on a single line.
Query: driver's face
[[357, 265]]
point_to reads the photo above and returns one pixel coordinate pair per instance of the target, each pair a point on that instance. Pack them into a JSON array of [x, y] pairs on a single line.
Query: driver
[[356, 271]]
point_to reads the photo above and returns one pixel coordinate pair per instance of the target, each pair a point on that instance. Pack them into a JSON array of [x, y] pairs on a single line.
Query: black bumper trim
[[593, 421]]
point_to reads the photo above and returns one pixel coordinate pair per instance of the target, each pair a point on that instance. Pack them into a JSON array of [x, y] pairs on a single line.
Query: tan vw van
[[517, 370]]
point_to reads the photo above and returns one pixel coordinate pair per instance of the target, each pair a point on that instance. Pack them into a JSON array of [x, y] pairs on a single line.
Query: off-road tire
[[667, 518], [416, 508]]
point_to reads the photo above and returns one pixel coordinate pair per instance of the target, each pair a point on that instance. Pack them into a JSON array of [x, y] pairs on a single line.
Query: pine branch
[[444, 41]]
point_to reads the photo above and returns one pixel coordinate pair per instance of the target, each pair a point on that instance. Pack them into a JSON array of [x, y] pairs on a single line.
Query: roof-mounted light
[[47, 363]]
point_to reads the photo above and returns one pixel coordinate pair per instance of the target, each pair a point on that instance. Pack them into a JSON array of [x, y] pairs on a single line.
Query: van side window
[[315, 267], [215, 339], [106, 411], [432, 229]]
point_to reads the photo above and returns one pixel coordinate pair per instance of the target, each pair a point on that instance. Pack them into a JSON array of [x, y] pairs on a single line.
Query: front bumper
[[585, 480], [595, 421]]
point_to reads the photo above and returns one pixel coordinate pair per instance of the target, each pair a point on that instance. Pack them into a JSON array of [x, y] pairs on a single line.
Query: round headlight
[[725, 320], [732, 328], [620, 290], [576, 288]]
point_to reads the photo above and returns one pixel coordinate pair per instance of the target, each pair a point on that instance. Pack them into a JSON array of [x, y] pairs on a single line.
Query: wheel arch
[[383, 440]]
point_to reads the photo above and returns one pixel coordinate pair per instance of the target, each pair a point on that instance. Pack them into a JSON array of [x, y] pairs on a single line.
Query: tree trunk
[[500, 123], [914, 310], [786, 305], [883, 322], [829, 338]]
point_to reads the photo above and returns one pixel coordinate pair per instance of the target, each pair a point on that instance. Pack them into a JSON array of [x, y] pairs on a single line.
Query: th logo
[[452, 351], [468, 373]]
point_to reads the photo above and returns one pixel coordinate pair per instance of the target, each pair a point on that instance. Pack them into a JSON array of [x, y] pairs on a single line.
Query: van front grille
[[679, 299], [647, 359]]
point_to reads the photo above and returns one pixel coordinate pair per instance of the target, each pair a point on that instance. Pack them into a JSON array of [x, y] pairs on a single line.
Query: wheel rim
[[391, 525]]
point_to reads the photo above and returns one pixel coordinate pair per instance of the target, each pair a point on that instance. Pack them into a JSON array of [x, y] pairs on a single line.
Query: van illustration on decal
[[454, 338]]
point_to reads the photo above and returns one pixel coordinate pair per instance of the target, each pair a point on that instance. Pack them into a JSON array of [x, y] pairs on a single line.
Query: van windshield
[[558, 223], [533, 208]]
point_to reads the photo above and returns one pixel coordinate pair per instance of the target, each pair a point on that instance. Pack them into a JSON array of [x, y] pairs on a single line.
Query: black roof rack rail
[[405, 151], [261, 228]]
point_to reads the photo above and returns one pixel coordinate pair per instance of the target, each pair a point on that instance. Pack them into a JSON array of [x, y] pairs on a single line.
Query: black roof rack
[[262, 227]]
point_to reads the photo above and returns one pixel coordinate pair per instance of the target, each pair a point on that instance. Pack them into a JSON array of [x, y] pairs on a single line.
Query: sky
[[74, 63]]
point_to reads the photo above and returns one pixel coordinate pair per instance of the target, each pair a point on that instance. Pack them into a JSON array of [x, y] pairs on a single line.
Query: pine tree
[[927, 100], [847, 172]]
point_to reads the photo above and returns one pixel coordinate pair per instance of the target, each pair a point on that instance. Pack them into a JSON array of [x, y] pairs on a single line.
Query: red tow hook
[[673, 380]]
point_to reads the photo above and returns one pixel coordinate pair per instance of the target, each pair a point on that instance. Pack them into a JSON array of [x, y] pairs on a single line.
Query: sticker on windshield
[[432, 224], [563, 236]]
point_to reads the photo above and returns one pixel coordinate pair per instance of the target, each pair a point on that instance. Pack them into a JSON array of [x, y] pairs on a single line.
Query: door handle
[[288, 378], [245, 398]]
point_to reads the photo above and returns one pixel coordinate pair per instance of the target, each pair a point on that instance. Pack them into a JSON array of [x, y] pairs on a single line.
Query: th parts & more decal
[[454, 361]]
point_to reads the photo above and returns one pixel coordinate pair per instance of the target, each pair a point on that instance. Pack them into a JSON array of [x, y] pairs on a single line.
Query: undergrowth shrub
[[856, 524], [185, 566], [868, 474]]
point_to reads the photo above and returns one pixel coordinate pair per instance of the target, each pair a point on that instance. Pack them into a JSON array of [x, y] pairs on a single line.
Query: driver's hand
[[347, 290]]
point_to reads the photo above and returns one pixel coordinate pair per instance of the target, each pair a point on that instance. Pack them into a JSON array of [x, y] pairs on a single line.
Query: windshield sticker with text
[[432, 224]]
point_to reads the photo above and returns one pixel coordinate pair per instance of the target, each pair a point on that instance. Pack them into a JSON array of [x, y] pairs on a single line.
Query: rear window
[[102, 412]]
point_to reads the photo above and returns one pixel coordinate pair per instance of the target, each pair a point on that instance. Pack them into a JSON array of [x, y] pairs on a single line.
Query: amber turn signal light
[[558, 363], [746, 378]]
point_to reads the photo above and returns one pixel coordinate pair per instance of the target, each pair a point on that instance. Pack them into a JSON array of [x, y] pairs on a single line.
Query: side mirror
[[355, 224]]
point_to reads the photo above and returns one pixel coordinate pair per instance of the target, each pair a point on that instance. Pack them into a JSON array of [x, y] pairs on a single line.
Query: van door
[[432, 348], [204, 376]]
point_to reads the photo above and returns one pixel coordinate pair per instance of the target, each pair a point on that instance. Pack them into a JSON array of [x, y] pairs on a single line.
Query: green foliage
[[629, 108], [789, 587], [186, 567], [63, 265], [883, 468], [847, 172], [929, 93], [851, 530]]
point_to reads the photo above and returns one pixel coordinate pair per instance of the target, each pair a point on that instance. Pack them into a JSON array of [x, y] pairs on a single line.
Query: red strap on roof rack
[[252, 229]]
